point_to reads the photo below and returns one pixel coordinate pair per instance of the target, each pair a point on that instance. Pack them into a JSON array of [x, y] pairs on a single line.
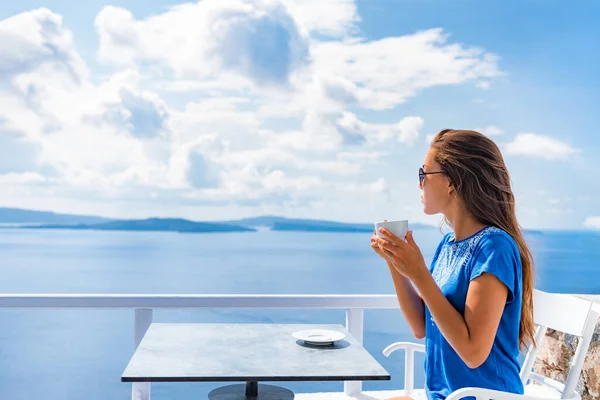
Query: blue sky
[[225, 109]]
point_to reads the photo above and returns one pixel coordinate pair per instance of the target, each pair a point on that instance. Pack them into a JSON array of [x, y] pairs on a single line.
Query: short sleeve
[[498, 255]]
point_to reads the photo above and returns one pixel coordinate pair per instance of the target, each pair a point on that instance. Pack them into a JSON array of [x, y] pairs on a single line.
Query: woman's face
[[436, 187]]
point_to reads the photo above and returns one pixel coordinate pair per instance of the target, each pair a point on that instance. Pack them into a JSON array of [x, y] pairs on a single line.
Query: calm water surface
[[64, 354]]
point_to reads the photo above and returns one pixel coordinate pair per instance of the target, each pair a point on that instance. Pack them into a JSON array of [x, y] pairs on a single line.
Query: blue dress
[[454, 265]]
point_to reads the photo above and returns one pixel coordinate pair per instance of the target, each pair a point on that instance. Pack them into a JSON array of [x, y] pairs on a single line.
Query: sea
[[81, 354]]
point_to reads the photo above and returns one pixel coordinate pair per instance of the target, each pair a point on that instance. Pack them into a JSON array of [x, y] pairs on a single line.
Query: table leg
[[251, 390]]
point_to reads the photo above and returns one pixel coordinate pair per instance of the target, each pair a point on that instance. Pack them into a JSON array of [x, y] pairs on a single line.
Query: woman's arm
[[471, 336], [411, 303]]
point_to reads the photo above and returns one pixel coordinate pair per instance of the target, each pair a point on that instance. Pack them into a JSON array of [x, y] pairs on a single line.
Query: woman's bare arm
[[471, 335], [411, 304]]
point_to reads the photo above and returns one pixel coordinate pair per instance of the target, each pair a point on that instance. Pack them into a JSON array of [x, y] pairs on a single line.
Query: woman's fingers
[[411, 240], [387, 233], [375, 246], [389, 247], [396, 260], [374, 243], [391, 237], [395, 241], [388, 252]]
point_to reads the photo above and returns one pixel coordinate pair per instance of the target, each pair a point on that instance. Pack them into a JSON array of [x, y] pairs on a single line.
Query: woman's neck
[[464, 225]]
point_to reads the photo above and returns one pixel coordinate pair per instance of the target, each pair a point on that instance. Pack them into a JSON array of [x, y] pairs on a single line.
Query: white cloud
[[215, 102], [83, 133], [378, 186], [17, 153], [362, 156], [270, 159], [143, 113], [19, 178], [390, 70], [535, 145], [335, 18], [200, 40], [224, 116], [201, 172], [409, 129], [327, 121], [39, 41], [490, 130], [347, 129], [592, 222]]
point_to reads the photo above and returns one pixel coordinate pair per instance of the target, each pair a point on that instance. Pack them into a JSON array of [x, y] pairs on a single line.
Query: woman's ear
[[451, 190]]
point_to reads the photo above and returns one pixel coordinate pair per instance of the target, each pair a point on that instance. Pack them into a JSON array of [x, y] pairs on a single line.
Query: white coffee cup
[[398, 228]]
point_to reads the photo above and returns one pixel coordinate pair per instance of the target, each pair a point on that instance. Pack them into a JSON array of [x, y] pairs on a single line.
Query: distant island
[[21, 216], [150, 224], [311, 225], [31, 219]]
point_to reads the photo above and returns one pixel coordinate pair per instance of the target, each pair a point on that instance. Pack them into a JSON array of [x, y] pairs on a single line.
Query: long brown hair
[[477, 172]]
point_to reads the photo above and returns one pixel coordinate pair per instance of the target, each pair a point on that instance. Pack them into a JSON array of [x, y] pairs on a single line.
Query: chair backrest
[[567, 314]]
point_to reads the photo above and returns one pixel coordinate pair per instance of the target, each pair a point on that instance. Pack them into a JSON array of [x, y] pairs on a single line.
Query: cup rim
[[391, 222]]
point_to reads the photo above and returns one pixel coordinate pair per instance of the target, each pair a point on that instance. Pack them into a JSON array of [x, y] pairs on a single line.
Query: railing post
[[355, 325], [143, 319]]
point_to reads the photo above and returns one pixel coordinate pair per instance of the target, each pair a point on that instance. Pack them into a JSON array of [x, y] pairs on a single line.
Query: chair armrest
[[409, 361], [487, 394], [403, 346]]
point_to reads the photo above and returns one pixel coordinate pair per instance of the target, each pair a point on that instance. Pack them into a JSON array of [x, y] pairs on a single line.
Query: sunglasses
[[423, 173]]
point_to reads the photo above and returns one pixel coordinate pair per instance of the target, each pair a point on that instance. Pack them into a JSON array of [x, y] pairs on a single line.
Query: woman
[[474, 305]]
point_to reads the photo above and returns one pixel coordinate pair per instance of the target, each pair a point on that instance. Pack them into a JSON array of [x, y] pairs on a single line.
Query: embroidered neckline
[[474, 238], [454, 255]]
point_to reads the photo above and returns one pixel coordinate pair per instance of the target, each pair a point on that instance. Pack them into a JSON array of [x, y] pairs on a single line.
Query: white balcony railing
[[143, 306]]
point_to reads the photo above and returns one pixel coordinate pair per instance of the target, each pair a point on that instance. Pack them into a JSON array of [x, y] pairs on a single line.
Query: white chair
[[563, 313]]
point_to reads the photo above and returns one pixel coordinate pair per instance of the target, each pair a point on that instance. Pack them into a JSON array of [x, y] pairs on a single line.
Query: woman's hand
[[405, 257], [375, 246]]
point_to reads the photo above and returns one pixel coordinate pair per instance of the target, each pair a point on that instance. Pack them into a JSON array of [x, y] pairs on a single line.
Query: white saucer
[[319, 337]]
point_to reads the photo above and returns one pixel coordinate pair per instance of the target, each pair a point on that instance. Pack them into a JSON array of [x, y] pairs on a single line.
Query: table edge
[[256, 379]]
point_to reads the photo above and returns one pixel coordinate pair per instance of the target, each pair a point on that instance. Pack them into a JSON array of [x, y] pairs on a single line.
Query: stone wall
[[555, 354]]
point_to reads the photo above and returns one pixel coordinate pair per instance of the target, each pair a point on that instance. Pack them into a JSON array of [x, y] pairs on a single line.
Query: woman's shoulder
[[495, 235], [487, 235], [488, 238], [494, 239]]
